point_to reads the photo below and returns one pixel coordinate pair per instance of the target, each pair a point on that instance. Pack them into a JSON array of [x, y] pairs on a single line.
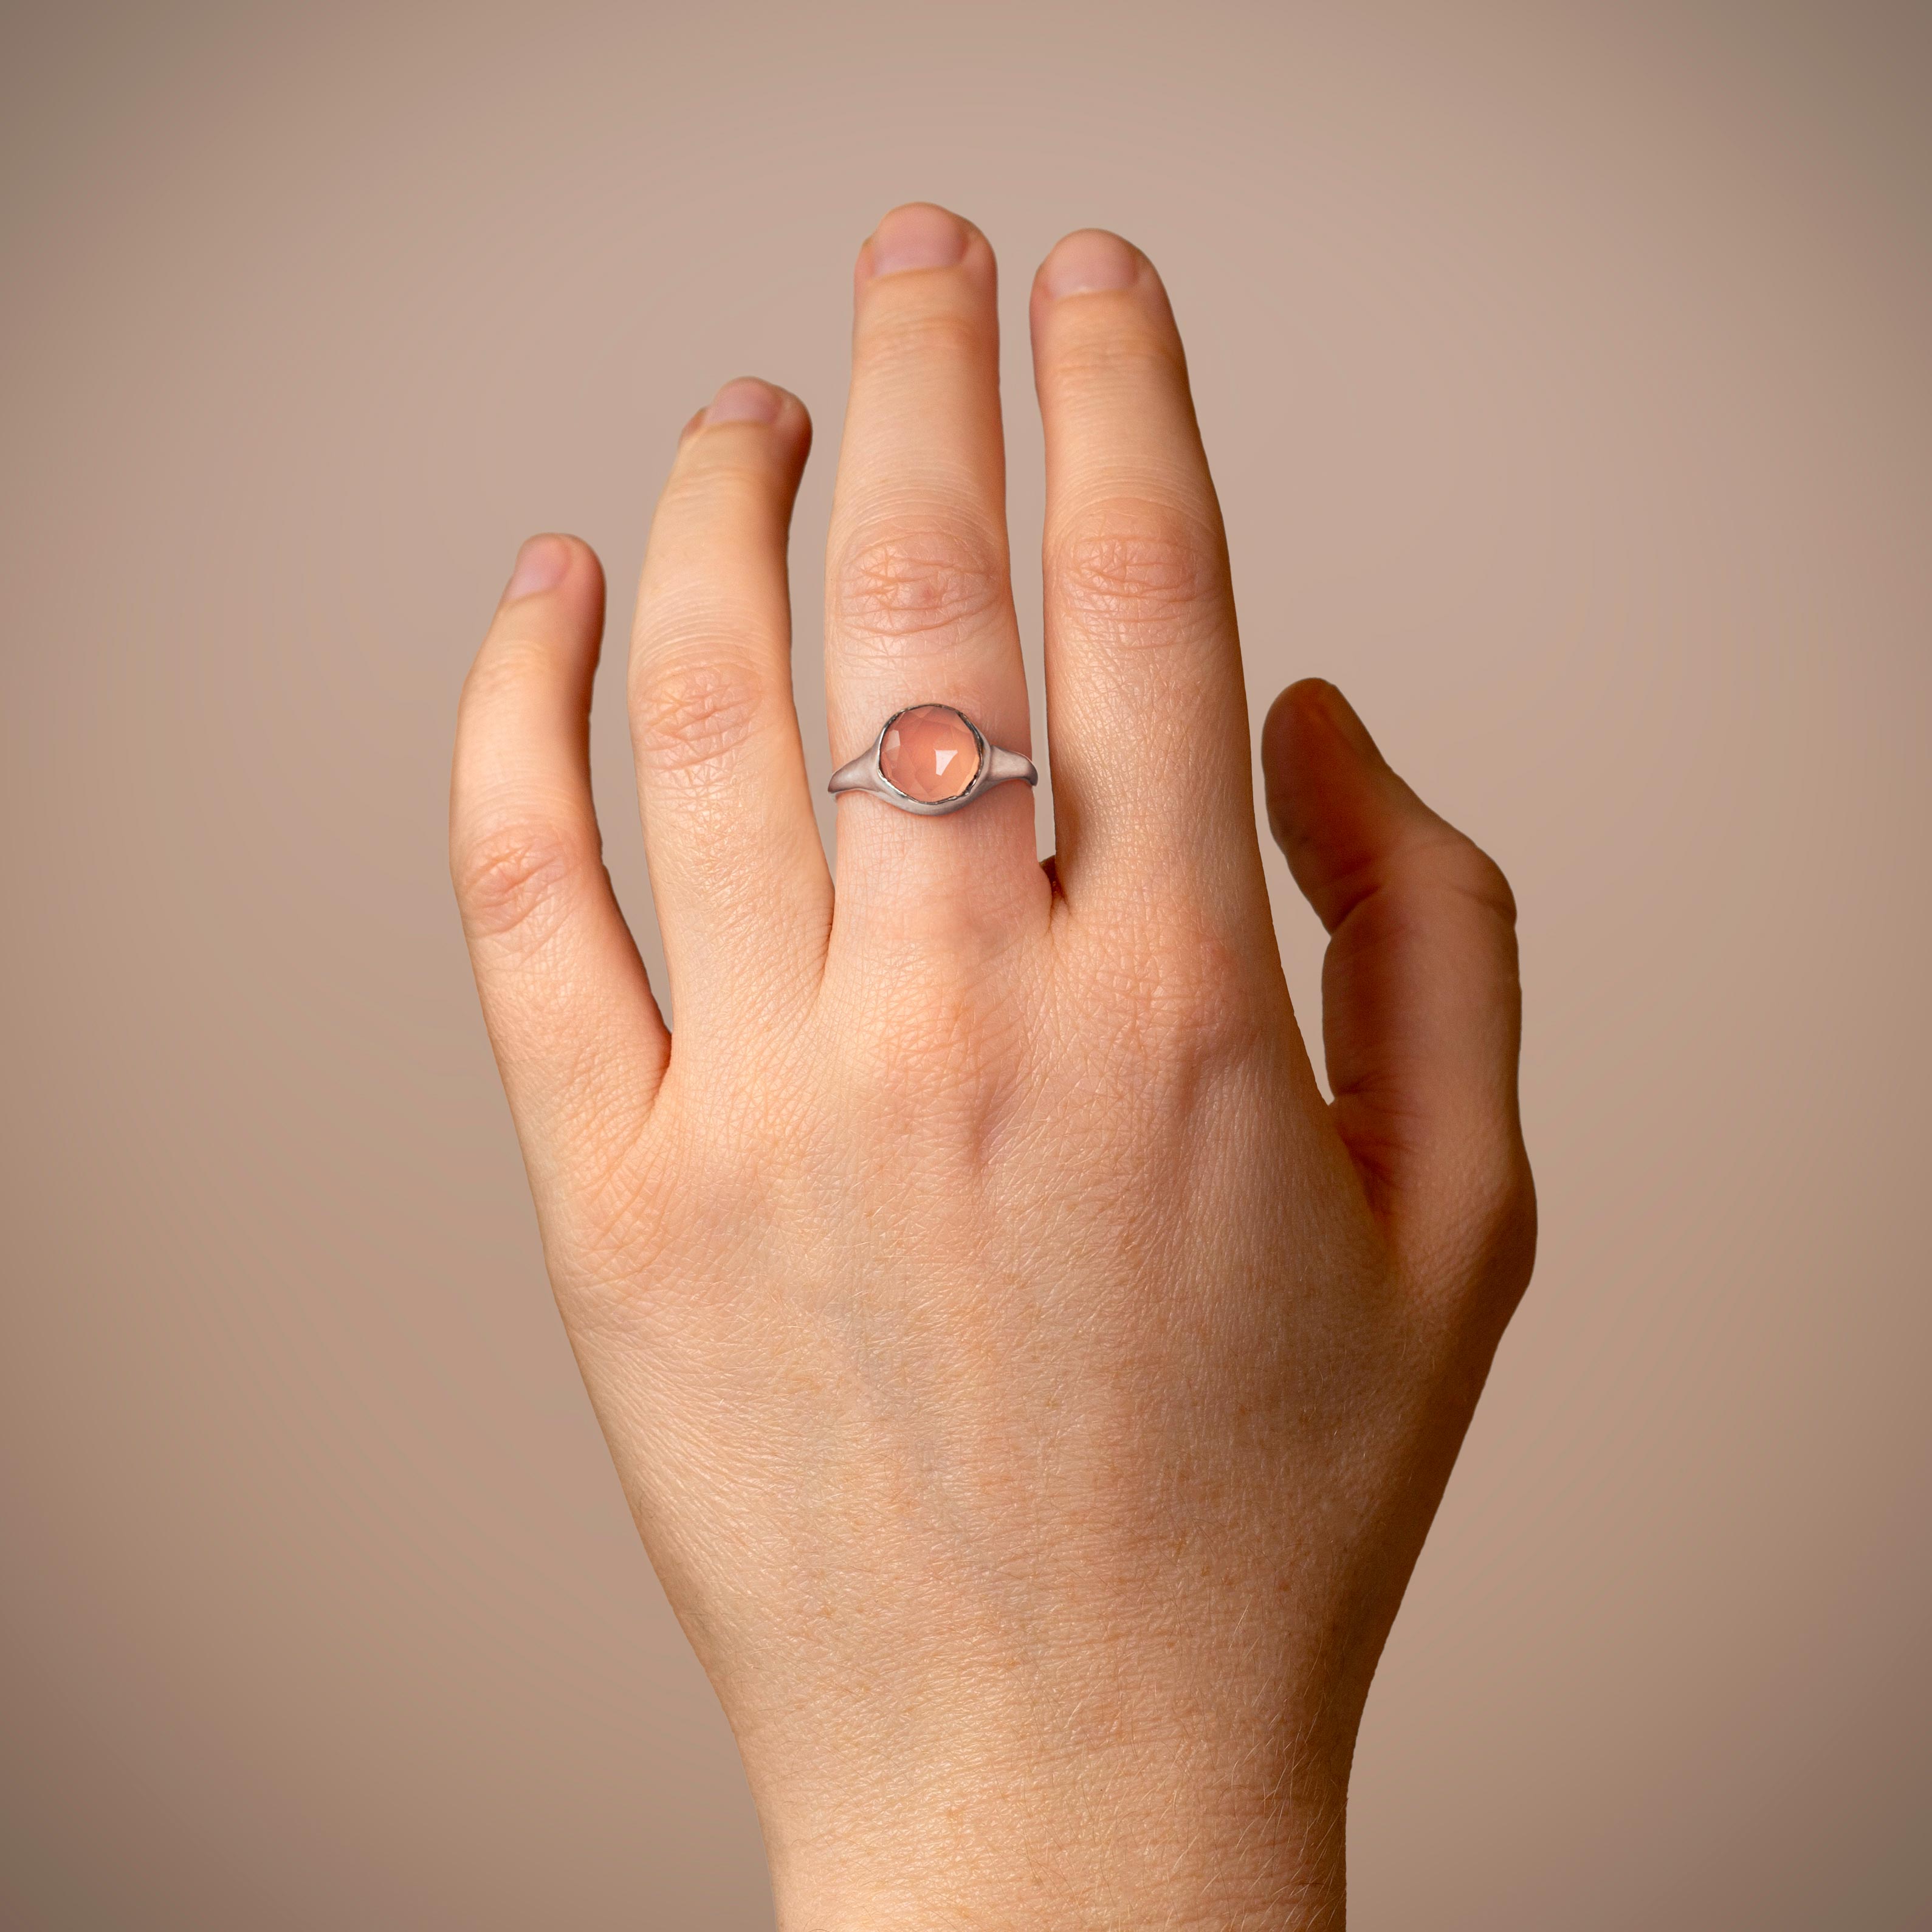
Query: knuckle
[[919, 333], [1117, 354], [1464, 867], [1486, 884], [508, 666], [954, 1087], [1177, 991], [1127, 562], [944, 1067], [918, 581], [689, 720], [514, 878], [710, 481], [1497, 1230]]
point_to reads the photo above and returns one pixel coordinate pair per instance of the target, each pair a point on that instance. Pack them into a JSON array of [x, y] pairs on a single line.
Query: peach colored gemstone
[[929, 753]]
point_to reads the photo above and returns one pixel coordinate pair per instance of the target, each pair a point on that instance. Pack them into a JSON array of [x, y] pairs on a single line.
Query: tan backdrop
[[1567, 373]]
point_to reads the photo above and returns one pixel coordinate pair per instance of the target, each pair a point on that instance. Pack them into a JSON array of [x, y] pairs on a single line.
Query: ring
[[930, 759]]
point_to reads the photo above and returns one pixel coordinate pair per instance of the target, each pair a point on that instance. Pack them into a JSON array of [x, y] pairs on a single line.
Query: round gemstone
[[929, 753]]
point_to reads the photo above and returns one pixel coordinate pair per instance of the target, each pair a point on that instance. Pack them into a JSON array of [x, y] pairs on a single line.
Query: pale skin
[[1032, 1393]]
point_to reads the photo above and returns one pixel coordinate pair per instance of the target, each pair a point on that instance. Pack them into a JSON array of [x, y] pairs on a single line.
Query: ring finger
[[919, 601]]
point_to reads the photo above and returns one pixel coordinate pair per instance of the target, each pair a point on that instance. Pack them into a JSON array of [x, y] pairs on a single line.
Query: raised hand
[[1032, 1394]]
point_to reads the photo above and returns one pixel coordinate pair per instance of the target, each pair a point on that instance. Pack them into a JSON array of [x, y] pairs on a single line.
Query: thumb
[[1421, 1006]]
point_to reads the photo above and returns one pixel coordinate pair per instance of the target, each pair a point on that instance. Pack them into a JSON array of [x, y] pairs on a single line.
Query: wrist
[[1056, 1881], [1214, 1838]]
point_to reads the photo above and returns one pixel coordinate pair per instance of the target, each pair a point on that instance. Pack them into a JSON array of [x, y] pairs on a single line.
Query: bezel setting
[[996, 767]]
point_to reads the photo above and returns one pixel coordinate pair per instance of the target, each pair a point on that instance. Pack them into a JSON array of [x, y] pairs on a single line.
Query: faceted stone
[[929, 753]]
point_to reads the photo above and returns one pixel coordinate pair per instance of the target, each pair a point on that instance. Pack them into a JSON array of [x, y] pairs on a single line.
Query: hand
[[1033, 1395]]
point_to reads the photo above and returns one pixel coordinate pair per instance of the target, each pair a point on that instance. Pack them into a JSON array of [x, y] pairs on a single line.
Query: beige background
[[1567, 373]]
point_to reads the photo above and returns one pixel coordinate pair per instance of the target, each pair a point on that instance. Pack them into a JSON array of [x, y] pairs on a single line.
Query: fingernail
[[541, 565], [745, 399], [916, 237], [1089, 263]]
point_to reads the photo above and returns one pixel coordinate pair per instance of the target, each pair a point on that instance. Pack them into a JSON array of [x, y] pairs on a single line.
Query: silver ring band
[[930, 759]]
